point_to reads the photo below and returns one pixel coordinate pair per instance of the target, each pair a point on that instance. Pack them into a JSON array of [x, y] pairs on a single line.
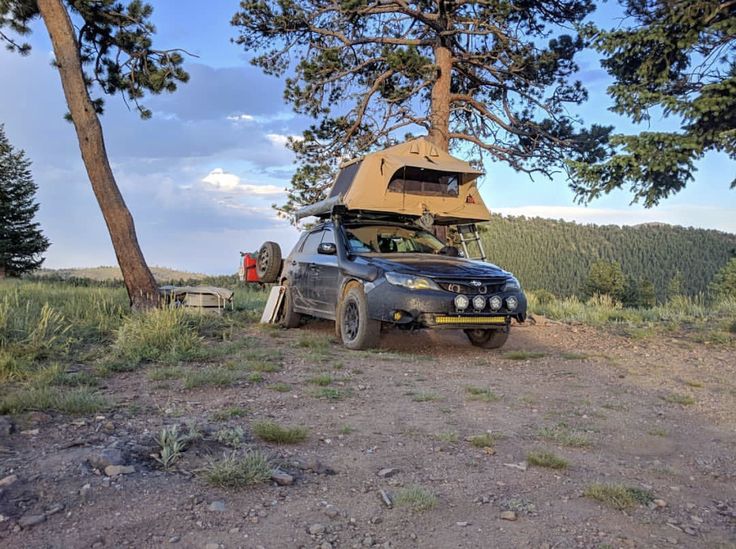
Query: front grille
[[487, 287]]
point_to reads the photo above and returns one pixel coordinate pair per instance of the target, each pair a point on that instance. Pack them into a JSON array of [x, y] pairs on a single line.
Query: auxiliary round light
[[512, 303], [495, 303], [479, 302], [461, 302]]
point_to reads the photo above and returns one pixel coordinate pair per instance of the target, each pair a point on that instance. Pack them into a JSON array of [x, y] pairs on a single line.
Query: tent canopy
[[410, 179]]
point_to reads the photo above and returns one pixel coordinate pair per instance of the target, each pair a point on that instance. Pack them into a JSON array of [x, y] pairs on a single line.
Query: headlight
[[461, 302], [411, 282], [495, 303], [479, 302], [512, 303], [511, 284]]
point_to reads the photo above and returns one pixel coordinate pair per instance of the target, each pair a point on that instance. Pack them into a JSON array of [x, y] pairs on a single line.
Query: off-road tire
[[289, 317], [488, 339], [268, 262], [357, 330]]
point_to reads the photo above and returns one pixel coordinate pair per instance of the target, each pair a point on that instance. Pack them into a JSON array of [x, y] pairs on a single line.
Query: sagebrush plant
[[234, 471], [416, 498]]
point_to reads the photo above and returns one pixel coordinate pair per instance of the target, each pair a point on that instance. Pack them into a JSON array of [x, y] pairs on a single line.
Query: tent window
[[345, 179], [425, 182]]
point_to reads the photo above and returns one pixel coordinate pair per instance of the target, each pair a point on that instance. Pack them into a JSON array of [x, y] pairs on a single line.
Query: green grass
[[208, 377], [255, 377], [323, 380], [422, 396], [331, 393], [574, 356], [346, 430], [280, 387], [238, 471], [77, 401], [481, 393], [546, 459], [230, 412], [416, 498], [565, 436], [271, 431], [314, 342], [677, 398], [448, 436], [164, 373], [263, 366], [522, 355], [618, 496], [231, 436], [485, 440]]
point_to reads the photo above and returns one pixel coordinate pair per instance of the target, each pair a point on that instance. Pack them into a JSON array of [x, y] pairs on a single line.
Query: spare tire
[[268, 262]]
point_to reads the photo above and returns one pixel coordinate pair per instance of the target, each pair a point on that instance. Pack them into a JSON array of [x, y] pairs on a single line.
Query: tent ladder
[[468, 235]]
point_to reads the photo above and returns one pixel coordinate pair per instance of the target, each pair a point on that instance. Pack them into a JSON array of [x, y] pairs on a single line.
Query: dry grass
[[416, 498], [546, 459], [618, 496], [237, 471], [271, 431]]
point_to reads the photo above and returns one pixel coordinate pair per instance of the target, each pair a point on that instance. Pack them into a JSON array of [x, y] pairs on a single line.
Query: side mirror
[[327, 248]]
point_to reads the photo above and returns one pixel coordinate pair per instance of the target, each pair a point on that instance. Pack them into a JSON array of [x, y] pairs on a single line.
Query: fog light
[[479, 302], [461, 302], [495, 303], [512, 303]]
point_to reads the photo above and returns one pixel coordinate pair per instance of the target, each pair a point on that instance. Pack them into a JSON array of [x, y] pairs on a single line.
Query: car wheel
[[268, 262], [289, 317], [357, 330], [488, 339]]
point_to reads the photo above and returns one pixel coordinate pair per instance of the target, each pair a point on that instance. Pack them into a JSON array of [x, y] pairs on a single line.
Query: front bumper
[[436, 308]]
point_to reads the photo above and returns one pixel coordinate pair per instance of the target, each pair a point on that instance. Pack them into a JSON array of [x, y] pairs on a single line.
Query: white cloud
[[241, 117], [281, 140], [220, 180], [709, 217]]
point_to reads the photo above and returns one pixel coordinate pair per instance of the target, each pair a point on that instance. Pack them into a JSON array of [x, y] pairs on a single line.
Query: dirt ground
[[655, 415]]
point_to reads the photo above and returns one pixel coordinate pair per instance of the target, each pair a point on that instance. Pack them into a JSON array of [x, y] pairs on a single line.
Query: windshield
[[391, 239]]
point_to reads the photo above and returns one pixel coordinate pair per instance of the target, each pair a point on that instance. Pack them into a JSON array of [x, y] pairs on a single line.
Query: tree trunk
[[141, 286], [440, 99]]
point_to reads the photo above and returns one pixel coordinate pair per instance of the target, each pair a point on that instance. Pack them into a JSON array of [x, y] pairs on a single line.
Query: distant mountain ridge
[[556, 255], [108, 273]]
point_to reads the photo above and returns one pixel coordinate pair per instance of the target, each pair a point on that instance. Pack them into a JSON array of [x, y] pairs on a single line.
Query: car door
[[302, 267], [325, 277]]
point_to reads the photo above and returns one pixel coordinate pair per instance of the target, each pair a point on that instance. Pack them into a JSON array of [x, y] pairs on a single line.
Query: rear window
[[425, 182]]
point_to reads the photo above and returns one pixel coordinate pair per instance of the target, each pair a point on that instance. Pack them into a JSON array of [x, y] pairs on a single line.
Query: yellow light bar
[[470, 319]]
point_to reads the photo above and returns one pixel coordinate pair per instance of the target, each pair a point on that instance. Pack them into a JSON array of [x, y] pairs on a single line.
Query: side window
[[310, 244], [328, 237]]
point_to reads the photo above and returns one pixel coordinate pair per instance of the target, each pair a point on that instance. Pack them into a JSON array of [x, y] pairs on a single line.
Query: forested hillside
[[556, 255]]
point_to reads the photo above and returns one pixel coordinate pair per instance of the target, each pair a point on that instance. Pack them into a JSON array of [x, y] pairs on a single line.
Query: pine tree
[[606, 278], [112, 49], [21, 240], [496, 77], [724, 282], [671, 58]]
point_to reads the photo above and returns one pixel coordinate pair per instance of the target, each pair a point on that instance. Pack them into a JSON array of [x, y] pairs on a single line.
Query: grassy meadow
[[58, 339]]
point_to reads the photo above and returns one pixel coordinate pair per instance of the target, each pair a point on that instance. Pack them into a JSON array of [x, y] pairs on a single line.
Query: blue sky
[[201, 175]]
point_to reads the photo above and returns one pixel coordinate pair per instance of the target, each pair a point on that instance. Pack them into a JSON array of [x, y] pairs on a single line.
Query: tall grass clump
[[77, 401], [161, 335]]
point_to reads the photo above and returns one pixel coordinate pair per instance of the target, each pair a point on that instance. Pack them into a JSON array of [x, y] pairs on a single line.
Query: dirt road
[[656, 419]]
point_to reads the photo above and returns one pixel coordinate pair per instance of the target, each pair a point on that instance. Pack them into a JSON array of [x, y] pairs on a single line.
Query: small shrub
[[676, 398], [171, 443], [232, 437], [235, 472], [330, 393], [229, 413], [280, 387], [322, 380], [208, 377], [486, 440], [255, 377], [415, 498], [522, 355], [564, 435], [270, 431], [618, 496], [481, 393], [546, 459], [423, 396], [165, 373], [449, 436], [263, 366], [346, 430]]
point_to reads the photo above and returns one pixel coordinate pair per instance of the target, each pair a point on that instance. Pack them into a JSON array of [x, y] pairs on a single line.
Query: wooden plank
[[273, 305]]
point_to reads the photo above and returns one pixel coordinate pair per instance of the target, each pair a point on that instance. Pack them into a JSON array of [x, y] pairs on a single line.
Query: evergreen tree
[[606, 278], [724, 282], [21, 240], [676, 286], [675, 58], [497, 76], [112, 49]]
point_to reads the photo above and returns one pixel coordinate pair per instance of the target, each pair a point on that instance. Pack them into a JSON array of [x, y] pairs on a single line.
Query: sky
[[200, 176]]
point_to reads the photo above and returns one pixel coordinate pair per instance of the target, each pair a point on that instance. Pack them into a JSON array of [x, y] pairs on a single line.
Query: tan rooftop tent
[[408, 179]]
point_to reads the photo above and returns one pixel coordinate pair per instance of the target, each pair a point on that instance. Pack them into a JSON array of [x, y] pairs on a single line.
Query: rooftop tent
[[408, 179]]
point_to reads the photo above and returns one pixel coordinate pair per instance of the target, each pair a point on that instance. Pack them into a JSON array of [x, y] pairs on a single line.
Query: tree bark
[[141, 286], [439, 117]]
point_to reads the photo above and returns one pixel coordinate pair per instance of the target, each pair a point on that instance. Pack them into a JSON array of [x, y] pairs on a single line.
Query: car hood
[[436, 266]]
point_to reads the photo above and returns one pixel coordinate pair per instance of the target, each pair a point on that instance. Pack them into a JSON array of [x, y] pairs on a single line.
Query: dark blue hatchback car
[[367, 273]]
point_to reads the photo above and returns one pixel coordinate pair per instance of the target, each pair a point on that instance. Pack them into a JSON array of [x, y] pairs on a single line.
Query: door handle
[[314, 267]]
